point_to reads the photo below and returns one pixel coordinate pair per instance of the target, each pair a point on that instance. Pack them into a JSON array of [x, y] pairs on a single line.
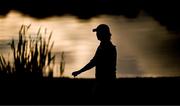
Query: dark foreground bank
[[81, 91]]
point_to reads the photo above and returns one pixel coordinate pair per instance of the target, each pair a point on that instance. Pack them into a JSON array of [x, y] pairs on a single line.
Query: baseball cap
[[102, 27]]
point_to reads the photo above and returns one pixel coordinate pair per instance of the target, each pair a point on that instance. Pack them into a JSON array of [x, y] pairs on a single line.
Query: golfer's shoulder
[[113, 47]]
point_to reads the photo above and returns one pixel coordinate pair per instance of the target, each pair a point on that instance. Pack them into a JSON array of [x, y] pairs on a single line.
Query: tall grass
[[31, 57], [5, 68], [62, 64]]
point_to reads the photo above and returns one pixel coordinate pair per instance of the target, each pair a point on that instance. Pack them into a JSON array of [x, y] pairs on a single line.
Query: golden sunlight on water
[[136, 41]]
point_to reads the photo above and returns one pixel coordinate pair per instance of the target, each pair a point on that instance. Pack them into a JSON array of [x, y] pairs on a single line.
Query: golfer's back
[[105, 58]]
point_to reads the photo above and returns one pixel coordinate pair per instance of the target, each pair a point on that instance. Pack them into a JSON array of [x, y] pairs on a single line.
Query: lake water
[[137, 40]]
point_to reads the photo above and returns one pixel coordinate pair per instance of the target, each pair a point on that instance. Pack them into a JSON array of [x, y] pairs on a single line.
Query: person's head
[[103, 32]]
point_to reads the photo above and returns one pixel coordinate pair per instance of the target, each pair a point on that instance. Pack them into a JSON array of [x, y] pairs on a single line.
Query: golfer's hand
[[75, 73]]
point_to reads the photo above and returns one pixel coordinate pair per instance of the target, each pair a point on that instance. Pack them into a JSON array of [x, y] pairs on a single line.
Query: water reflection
[[137, 41]]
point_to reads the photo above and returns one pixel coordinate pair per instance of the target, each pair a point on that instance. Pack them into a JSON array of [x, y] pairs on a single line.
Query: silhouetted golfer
[[105, 57], [105, 63]]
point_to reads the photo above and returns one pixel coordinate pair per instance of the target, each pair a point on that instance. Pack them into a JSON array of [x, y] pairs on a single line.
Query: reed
[[62, 64], [31, 57]]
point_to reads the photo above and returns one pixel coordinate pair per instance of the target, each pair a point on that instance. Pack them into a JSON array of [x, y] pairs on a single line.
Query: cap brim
[[94, 30]]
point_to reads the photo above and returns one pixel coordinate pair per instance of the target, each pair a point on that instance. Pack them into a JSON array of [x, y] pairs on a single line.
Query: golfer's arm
[[90, 65]]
